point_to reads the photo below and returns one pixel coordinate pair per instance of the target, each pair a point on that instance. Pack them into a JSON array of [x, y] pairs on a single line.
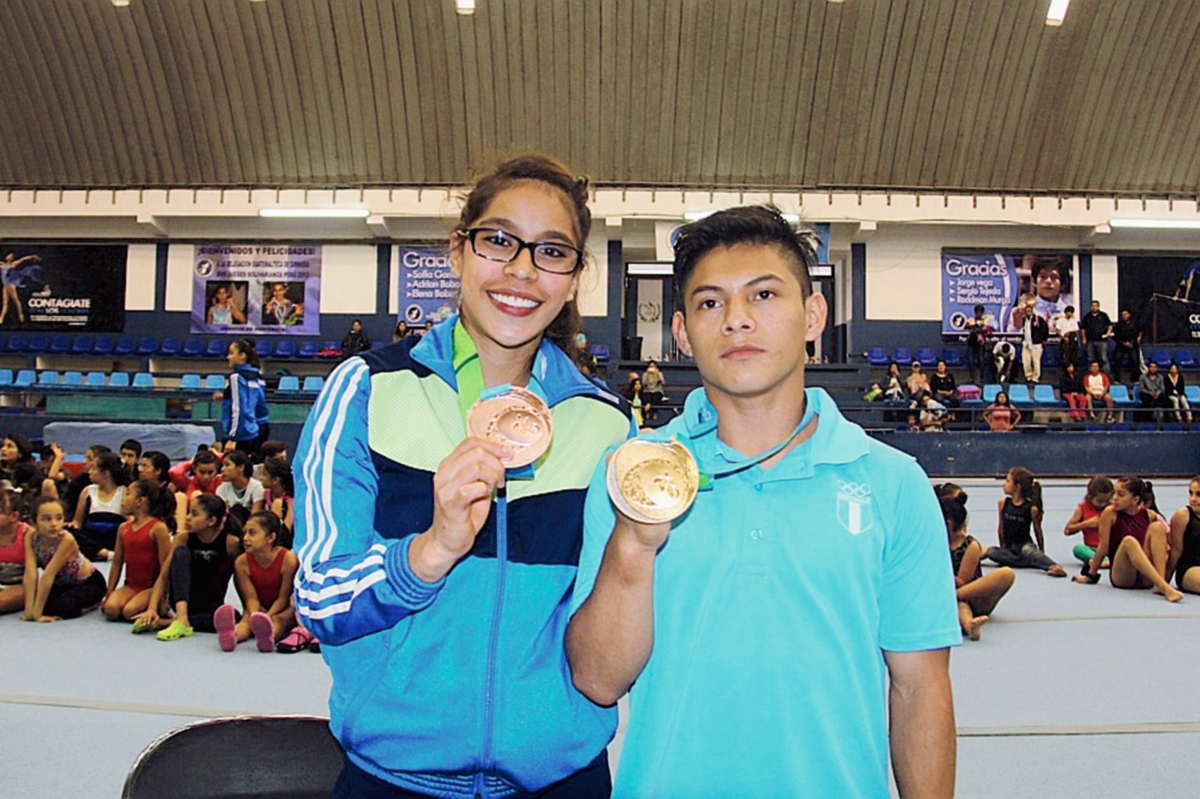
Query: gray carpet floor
[[1074, 690]]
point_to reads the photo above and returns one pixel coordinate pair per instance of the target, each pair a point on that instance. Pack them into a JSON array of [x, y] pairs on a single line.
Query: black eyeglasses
[[495, 244]]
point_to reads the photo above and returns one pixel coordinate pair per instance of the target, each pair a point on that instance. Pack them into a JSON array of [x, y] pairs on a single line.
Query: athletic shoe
[[225, 620], [295, 641], [264, 632]]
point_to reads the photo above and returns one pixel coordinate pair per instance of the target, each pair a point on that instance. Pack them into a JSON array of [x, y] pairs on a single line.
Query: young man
[[762, 625], [1097, 328]]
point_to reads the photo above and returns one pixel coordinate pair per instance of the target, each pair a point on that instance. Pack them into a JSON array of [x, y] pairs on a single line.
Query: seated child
[[265, 576], [12, 551], [1086, 518], [978, 593], [237, 486], [143, 546], [69, 584]]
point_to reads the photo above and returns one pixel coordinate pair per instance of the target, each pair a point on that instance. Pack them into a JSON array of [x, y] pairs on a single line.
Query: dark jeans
[[1098, 351], [1130, 356], [975, 360], [591, 782]]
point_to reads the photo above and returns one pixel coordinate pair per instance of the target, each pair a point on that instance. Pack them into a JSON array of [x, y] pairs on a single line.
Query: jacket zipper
[[493, 640]]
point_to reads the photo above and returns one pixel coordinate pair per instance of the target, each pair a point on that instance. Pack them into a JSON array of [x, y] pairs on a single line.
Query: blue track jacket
[[244, 407], [460, 687]]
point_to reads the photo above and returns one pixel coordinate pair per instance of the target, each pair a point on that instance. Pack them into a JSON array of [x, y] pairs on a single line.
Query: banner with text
[[258, 289], [1003, 283], [428, 289], [59, 287]]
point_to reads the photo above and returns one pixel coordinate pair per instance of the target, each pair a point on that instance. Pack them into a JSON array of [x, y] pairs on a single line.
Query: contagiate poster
[[60, 287], [257, 289]]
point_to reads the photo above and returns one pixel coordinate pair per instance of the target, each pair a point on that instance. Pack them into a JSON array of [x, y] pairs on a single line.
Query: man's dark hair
[[132, 444], [750, 224], [271, 449]]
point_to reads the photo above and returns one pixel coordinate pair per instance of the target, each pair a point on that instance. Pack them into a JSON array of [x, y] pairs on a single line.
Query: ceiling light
[[1057, 12], [652, 268], [464, 7], [696, 216], [120, 3], [314, 213], [1157, 224]]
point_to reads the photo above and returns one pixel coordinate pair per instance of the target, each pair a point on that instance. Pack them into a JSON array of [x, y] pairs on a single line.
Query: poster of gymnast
[[257, 289], [63, 287], [428, 290], [1002, 283]]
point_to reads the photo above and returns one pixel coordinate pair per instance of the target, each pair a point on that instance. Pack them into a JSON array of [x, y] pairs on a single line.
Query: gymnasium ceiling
[[976, 96]]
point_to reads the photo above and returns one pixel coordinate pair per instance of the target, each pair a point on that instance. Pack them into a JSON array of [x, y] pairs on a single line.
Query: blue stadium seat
[[1120, 394], [143, 380], [124, 346], [313, 384], [902, 355], [1043, 394], [25, 378], [48, 379], [1173, 427], [953, 358], [285, 349], [1193, 395], [1018, 394], [288, 384], [1185, 359], [1050, 359], [1094, 428], [603, 354], [308, 349], [59, 345], [926, 357], [1161, 357], [190, 383], [876, 356], [192, 348], [72, 379], [118, 380], [6, 377], [104, 345], [81, 345], [37, 343], [330, 349], [169, 347], [16, 343], [1121, 427], [263, 346], [216, 348], [94, 380], [1145, 427], [146, 346], [214, 383], [990, 390]]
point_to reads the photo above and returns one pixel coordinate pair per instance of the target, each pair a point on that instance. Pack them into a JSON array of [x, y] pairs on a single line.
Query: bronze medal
[[652, 481], [517, 419]]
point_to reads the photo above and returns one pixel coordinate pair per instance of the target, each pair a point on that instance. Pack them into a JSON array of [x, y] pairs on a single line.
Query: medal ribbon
[[706, 478]]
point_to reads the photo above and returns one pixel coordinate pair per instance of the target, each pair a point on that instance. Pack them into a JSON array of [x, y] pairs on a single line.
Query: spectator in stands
[[1001, 416], [1004, 355], [1127, 347], [99, 514], [1034, 332], [1086, 518], [977, 593], [402, 330], [979, 333], [933, 415], [143, 545], [1176, 393], [1096, 328], [1067, 329], [1137, 541], [244, 402], [653, 389], [131, 452], [13, 530], [944, 386], [237, 486], [1185, 542], [1152, 390], [155, 466], [81, 481], [356, 340], [1021, 509], [893, 388], [1071, 389], [917, 383], [1096, 384], [912, 425]]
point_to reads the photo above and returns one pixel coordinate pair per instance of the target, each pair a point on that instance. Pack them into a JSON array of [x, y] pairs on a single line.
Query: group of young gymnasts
[[1122, 528], [175, 539]]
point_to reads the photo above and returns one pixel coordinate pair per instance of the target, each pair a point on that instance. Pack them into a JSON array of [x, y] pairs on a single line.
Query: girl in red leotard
[[264, 574], [12, 551], [143, 545]]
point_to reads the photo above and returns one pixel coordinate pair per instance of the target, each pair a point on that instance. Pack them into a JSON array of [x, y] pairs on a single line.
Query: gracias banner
[[257, 289], [49, 287], [1002, 282], [428, 289]]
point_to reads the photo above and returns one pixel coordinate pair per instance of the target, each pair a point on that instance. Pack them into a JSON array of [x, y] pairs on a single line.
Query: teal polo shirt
[[774, 599]]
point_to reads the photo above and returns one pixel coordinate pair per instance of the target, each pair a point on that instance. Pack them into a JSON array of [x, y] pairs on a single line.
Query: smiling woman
[[426, 555]]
